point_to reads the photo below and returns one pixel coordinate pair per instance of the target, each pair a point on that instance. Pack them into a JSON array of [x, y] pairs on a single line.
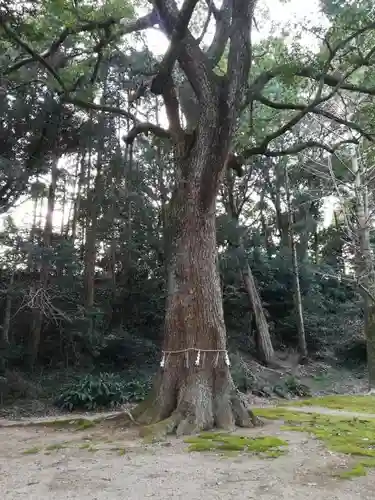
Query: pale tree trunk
[[8, 311], [281, 216], [264, 345], [40, 288], [365, 267], [63, 208], [263, 338], [78, 196], [91, 233], [302, 347], [93, 216]]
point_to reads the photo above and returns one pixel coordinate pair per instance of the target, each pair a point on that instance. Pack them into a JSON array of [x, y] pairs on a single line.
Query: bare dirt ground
[[109, 463]]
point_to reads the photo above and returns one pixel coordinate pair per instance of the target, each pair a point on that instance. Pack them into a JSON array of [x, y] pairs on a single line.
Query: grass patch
[[360, 404], [56, 446], [350, 436], [31, 451], [120, 451], [359, 469], [84, 446], [267, 446]]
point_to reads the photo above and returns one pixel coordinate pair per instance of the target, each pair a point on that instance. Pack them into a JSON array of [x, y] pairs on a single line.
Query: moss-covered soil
[[351, 436], [265, 446]]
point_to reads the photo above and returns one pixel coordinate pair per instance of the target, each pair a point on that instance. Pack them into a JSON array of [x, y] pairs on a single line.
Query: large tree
[[194, 389]]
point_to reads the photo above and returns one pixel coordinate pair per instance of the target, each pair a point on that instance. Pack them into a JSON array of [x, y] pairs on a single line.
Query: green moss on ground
[[120, 450], [56, 446], [351, 436], [360, 404], [266, 446], [78, 424], [31, 451]]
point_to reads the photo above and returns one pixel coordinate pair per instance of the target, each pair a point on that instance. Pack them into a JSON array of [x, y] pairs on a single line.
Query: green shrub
[[105, 390], [353, 352], [296, 388]]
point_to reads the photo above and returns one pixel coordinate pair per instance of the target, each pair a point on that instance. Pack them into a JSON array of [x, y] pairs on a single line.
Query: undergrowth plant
[[105, 390]]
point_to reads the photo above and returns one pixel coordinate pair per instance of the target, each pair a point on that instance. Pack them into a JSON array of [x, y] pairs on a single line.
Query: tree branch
[[330, 80], [127, 27], [145, 128], [178, 34], [172, 109], [349, 280], [223, 26], [99, 107], [239, 58], [297, 148], [316, 111], [16, 39], [192, 60]]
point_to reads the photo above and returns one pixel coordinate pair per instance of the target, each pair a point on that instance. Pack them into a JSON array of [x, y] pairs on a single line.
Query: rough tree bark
[[195, 390], [195, 397]]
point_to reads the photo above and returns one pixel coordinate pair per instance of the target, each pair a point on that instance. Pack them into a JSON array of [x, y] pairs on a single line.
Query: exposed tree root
[[198, 407]]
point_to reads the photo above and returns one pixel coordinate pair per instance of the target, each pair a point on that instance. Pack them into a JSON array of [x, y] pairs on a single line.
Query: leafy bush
[[296, 388], [105, 390], [353, 352]]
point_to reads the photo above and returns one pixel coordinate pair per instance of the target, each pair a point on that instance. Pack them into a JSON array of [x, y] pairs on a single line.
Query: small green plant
[[296, 388], [101, 391], [56, 446]]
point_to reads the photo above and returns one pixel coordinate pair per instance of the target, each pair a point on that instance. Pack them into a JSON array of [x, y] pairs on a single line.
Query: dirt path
[[329, 411], [103, 463]]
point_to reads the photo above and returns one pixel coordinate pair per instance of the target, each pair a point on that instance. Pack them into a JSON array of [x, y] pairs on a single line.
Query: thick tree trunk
[[195, 389]]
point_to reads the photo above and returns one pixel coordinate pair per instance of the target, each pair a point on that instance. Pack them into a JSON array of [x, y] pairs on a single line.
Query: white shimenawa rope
[[166, 355]]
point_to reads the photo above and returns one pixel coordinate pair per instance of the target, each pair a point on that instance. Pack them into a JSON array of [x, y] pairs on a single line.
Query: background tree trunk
[[264, 343], [365, 266], [5, 333], [302, 346], [40, 287]]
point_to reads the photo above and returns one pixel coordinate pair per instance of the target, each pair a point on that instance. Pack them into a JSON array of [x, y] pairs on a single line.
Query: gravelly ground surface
[[107, 463]]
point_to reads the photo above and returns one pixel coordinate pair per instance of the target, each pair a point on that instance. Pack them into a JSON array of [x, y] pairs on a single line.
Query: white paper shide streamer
[[226, 358], [162, 362], [217, 353], [197, 361]]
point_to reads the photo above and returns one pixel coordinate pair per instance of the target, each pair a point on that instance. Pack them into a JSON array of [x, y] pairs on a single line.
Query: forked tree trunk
[[195, 389]]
